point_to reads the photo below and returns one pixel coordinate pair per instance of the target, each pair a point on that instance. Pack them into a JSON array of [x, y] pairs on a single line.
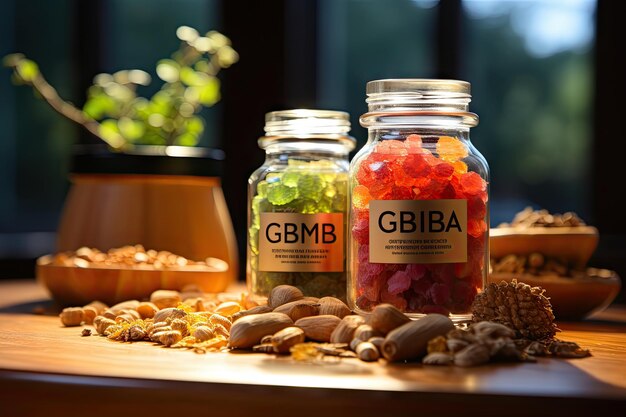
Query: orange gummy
[[451, 149], [361, 197]]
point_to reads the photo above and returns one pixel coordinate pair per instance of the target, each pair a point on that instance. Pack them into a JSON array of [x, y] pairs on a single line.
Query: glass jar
[[297, 211], [419, 201]]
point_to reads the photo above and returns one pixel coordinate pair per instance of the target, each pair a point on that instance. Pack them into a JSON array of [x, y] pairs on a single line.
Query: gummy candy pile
[[305, 187], [403, 170]]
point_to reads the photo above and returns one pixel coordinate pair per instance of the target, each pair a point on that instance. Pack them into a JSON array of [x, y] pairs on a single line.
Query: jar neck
[[306, 150], [391, 133]]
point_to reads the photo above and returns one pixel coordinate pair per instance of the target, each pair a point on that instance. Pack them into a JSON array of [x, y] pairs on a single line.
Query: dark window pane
[[530, 64], [366, 40]]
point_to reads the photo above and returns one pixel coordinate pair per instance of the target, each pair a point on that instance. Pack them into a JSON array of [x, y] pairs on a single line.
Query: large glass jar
[[298, 204], [419, 201]]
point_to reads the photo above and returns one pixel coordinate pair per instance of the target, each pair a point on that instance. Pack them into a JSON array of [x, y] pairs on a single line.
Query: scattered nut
[[72, 316]]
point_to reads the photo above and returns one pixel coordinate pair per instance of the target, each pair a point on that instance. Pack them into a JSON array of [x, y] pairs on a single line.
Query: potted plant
[[147, 182]]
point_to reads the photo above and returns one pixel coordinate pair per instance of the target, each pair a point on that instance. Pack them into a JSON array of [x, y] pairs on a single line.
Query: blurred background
[[544, 75]]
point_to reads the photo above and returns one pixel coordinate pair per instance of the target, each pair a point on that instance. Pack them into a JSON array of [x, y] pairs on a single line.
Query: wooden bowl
[[71, 285], [571, 298], [574, 244]]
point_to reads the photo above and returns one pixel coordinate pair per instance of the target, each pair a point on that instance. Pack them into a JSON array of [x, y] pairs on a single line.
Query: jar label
[[293, 242], [418, 231]]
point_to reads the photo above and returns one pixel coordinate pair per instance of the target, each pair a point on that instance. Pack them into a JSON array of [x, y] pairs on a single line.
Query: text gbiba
[[433, 221]]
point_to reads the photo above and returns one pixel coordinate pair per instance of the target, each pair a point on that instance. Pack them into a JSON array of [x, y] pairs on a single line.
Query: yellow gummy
[[451, 149]]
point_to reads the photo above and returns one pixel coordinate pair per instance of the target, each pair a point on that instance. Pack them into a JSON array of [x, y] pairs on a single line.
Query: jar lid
[[307, 124], [421, 87], [437, 99]]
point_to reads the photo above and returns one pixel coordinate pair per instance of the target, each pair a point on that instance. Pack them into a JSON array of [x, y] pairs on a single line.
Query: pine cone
[[519, 306]]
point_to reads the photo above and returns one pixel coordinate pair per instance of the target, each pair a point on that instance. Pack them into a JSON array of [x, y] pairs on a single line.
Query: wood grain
[[40, 359]]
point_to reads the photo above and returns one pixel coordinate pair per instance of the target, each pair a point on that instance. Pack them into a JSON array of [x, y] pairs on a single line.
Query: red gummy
[[416, 166], [392, 149], [395, 300], [463, 295], [462, 269], [361, 231], [444, 170], [401, 193], [440, 293], [399, 282], [416, 271], [472, 183], [476, 207], [476, 228], [413, 144]]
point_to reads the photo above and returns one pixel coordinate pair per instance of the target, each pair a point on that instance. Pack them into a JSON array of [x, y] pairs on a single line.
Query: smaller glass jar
[[419, 201], [297, 204]]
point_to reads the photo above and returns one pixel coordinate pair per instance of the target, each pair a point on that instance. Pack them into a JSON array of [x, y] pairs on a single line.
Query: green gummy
[[261, 189], [291, 179], [311, 186], [279, 194]]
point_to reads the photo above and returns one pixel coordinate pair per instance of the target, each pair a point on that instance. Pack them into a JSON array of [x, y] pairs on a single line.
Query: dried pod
[[109, 314], [489, 329], [248, 331], [455, 345], [155, 334], [215, 319], [318, 328], [115, 328], [203, 333], [354, 343], [132, 313], [181, 326], [147, 310], [344, 332], [284, 339], [267, 339], [519, 306], [220, 330], [460, 334], [157, 326], [99, 306], [228, 308], [438, 358], [165, 298], [124, 305], [472, 355], [101, 323], [410, 340], [200, 324], [169, 338], [253, 310], [385, 317], [378, 342], [365, 332], [136, 333], [311, 299], [263, 348], [72, 316], [367, 352], [333, 306], [89, 313], [169, 313], [283, 294], [124, 318], [298, 309]]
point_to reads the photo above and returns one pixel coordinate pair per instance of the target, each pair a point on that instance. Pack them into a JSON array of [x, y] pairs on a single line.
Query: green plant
[[116, 114]]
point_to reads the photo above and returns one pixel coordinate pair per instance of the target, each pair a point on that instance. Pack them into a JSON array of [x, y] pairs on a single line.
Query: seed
[[72, 316]]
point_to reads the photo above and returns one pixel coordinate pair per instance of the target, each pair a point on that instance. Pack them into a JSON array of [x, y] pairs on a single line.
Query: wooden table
[[46, 369]]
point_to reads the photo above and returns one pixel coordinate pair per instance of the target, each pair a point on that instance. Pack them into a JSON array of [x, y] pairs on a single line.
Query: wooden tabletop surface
[[48, 369]]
